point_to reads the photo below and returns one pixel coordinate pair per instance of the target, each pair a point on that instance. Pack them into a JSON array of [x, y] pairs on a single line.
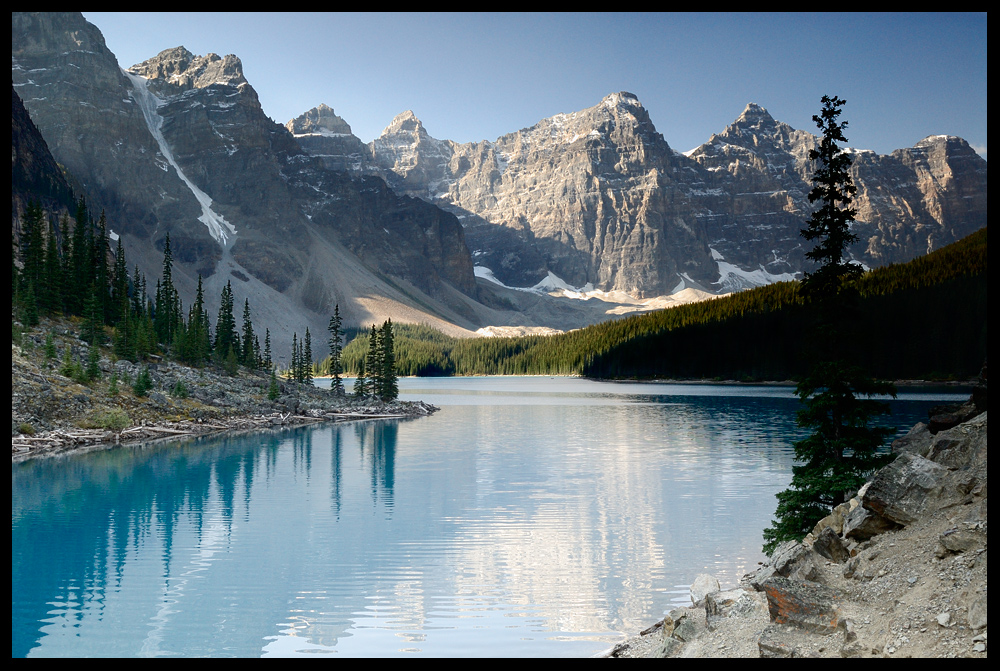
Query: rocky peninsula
[[53, 410], [900, 570]]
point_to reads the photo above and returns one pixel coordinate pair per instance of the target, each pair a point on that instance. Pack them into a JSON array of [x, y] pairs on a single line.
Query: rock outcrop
[[599, 197], [915, 586]]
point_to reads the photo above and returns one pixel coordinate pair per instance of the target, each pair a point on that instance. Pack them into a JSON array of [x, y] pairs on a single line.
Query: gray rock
[[916, 441], [703, 585], [805, 605], [901, 491], [977, 613], [732, 604], [959, 540], [862, 524], [829, 545]]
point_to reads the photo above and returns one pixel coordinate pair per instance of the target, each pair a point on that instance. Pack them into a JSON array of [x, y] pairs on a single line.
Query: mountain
[[34, 174], [179, 145], [598, 197]]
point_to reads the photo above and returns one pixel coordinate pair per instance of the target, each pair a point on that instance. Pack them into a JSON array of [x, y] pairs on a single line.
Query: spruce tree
[[362, 385], [267, 361], [373, 363], [226, 338], [390, 383], [53, 284], [248, 358], [294, 368], [307, 359], [842, 450], [336, 353]]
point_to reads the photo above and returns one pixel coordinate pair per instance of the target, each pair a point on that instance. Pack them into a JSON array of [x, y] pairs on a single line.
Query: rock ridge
[[900, 570]]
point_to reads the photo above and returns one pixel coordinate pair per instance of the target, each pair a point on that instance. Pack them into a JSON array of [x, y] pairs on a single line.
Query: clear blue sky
[[479, 76]]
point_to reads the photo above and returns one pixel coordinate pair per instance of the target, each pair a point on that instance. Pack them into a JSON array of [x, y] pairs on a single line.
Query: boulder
[[805, 605], [733, 603], [916, 441], [791, 559], [861, 524], [828, 544], [901, 491], [703, 585]]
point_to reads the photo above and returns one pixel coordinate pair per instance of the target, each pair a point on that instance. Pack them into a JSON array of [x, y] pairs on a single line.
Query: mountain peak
[[754, 117], [320, 120], [405, 122], [622, 99], [180, 67]]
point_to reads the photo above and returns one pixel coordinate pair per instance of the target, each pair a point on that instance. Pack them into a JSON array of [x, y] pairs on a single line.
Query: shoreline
[[61, 442]]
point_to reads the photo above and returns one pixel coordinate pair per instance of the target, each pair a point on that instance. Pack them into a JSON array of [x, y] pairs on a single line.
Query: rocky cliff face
[[179, 145], [599, 197]]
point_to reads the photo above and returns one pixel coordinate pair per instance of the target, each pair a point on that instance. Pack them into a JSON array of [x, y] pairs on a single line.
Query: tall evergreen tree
[[307, 359], [53, 284], [248, 358], [226, 338], [294, 369], [33, 247], [336, 353], [373, 363], [100, 273], [390, 383], [835, 460], [266, 358]]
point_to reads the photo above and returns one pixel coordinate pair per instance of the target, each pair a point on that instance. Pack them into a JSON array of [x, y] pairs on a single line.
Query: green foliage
[[231, 364], [26, 429], [273, 391], [837, 396], [113, 384], [143, 382], [334, 363], [179, 390], [388, 383], [50, 346], [93, 371], [114, 419]]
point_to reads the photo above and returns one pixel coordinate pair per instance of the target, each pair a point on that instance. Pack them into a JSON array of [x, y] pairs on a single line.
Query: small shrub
[[179, 390], [26, 429], [114, 419], [113, 384]]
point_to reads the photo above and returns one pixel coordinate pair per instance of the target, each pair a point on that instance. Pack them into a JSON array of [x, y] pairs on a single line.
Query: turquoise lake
[[530, 516]]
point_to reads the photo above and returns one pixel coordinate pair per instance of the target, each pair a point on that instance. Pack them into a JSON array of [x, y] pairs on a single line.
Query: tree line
[[925, 319], [76, 275]]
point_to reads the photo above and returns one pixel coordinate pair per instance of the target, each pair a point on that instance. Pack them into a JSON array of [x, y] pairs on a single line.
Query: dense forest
[[925, 319]]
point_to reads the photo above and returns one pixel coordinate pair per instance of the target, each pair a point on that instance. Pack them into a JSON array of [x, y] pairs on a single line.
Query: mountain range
[[593, 205]]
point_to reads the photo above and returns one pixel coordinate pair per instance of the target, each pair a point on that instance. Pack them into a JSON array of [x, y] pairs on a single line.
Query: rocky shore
[[900, 570], [52, 412]]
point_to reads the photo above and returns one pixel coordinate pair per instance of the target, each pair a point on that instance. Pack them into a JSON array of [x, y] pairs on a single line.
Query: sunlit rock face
[[598, 196], [179, 145]]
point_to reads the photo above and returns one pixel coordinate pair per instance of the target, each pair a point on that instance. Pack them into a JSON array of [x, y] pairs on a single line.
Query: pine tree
[[362, 385], [336, 353], [294, 367], [307, 359], [226, 338], [839, 455], [373, 363], [390, 383], [52, 284], [248, 357], [273, 391], [267, 361]]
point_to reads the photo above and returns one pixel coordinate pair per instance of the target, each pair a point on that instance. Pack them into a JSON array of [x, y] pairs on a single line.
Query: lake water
[[529, 517]]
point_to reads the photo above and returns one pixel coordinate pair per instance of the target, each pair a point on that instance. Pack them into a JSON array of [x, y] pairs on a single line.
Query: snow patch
[[218, 227]]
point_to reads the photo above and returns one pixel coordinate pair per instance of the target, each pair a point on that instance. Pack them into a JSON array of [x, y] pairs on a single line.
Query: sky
[[471, 77]]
